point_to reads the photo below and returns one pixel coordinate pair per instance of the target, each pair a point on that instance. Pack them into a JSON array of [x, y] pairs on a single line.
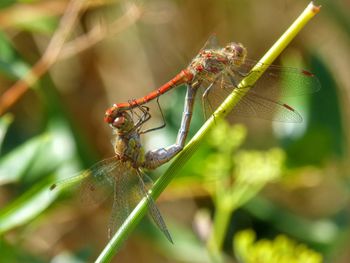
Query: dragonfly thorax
[[209, 63], [129, 149]]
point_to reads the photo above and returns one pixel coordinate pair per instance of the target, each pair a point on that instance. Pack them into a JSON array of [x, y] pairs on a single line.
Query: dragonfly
[[123, 175], [216, 71]]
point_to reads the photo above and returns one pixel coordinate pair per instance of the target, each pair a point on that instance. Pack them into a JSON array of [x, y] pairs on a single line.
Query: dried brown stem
[[23, 13], [50, 56], [100, 32], [56, 49]]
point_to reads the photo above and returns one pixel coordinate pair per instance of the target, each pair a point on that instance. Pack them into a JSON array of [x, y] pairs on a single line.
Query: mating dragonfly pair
[[214, 73]]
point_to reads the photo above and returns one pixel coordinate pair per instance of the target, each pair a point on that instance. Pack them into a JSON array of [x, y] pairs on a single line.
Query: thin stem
[[100, 32], [140, 210], [221, 221]]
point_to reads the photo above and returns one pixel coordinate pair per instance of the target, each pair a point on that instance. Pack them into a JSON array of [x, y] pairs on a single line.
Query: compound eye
[[239, 49], [119, 122], [108, 116]]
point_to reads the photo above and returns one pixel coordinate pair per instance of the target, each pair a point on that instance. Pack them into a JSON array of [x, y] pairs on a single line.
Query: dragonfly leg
[[206, 101], [143, 118], [159, 127], [205, 98]]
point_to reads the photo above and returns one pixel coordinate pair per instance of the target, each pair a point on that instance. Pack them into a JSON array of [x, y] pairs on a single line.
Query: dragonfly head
[[119, 120], [236, 53], [123, 123]]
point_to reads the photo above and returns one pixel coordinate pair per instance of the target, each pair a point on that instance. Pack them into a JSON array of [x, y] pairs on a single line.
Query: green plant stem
[[134, 218], [221, 221]]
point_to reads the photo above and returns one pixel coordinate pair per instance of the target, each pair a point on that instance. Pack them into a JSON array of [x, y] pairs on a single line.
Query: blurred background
[[268, 190]]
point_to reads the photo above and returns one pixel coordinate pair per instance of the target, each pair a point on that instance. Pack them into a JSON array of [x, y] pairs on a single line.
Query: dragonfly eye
[[119, 122], [110, 113], [239, 49], [108, 117], [236, 49]]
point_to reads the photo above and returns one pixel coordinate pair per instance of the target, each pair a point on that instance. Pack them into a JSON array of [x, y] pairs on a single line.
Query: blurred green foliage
[[281, 250], [237, 175]]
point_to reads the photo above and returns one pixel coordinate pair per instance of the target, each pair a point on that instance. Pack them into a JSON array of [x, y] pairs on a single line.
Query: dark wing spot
[[307, 73], [288, 107]]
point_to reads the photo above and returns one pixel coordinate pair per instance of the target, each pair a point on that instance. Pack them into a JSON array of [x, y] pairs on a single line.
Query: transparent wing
[[253, 104], [124, 198], [278, 81], [152, 208], [130, 188], [211, 43], [96, 183]]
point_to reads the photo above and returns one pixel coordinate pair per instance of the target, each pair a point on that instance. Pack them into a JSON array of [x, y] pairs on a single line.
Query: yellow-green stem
[[221, 221]]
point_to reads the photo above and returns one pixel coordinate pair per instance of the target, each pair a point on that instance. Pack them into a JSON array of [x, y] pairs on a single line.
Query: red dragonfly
[[217, 71]]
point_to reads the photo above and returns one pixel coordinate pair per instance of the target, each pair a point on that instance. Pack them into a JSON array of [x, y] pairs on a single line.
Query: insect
[[216, 71], [123, 175]]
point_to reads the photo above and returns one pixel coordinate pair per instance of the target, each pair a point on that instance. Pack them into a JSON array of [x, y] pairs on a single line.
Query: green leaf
[[38, 156], [10, 63], [27, 206], [14, 165], [5, 122], [45, 25], [6, 3], [51, 156], [13, 253], [60, 149]]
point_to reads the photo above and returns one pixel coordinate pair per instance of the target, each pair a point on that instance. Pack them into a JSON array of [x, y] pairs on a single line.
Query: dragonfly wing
[[130, 188], [211, 43], [250, 105], [279, 81], [98, 181], [152, 208], [122, 205], [127, 194]]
